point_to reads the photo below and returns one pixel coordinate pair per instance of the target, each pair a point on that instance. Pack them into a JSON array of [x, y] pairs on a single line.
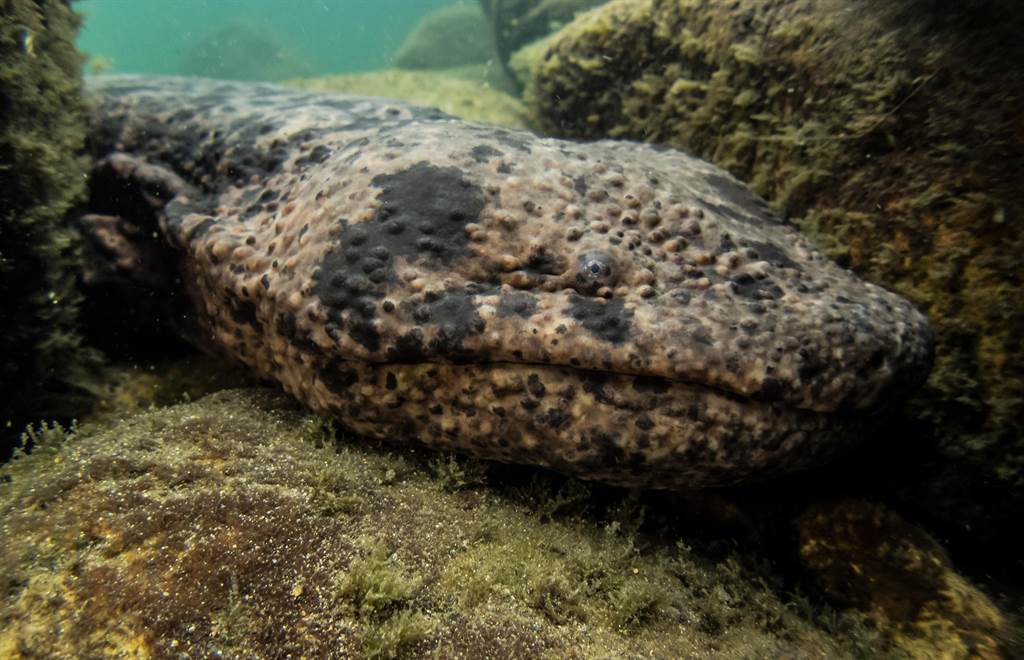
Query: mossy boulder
[[865, 556], [457, 94], [891, 132], [450, 37], [239, 525], [45, 365]]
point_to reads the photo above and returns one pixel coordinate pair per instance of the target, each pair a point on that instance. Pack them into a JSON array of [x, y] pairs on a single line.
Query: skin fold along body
[[613, 310]]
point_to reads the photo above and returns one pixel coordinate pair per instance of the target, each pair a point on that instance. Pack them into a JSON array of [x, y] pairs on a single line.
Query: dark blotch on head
[[518, 141], [200, 230], [337, 378], [425, 197], [318, 155], [772, 389], [608, 320], [740, 197], [408, 347], [244, 311], [594, 385], [750, 287], [365, 333], [810, 365], [542, 262], [518, 303], [534, 385], [774, 255], [482, 153], [289, 329], [456, 317], [553, 417], [606, 445]]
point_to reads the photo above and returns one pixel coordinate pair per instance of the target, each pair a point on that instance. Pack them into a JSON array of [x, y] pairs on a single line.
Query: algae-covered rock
[[453, 36], [889, 130], [42, 130], [240, 51], [238, 526], [867, 557], [455, 95]]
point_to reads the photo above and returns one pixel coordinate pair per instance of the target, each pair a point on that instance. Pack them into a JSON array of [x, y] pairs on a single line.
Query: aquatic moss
[[397, 635], [376, 589], [199, 529], [42, 129], [890, 131], [375, 584]]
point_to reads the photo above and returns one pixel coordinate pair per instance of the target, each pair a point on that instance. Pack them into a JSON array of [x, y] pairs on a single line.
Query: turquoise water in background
[[261, 39]]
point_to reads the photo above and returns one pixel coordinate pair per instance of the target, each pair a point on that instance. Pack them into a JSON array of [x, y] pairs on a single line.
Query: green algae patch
[[241, 525], [463, 92], [45, 367], [888, 131]]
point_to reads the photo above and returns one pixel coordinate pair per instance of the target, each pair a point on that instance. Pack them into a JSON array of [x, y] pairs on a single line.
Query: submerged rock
[[891, 131], [242, 52], [867, 557], [449, 37]]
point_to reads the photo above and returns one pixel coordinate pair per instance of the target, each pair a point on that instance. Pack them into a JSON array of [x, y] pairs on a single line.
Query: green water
[[250, 39]]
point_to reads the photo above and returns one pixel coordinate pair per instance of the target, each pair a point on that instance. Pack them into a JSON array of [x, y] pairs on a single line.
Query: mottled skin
[[611, 310]]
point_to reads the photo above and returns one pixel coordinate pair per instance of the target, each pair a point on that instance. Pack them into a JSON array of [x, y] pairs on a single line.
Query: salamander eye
[[595, 270]]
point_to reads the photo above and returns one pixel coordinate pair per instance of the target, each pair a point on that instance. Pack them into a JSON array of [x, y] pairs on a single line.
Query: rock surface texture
[[610, 310]]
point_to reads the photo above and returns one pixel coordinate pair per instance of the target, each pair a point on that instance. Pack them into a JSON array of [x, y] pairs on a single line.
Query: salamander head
[[609, 257]]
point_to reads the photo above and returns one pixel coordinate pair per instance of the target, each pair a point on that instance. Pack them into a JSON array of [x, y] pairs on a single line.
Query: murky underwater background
[[306, 37]]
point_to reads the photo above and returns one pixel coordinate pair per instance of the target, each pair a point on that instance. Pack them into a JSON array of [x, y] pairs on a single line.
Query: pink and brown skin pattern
[[610, 310]]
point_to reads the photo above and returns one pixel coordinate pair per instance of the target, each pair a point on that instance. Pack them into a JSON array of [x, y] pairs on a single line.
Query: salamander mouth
[[637, 431], [590, 378]]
